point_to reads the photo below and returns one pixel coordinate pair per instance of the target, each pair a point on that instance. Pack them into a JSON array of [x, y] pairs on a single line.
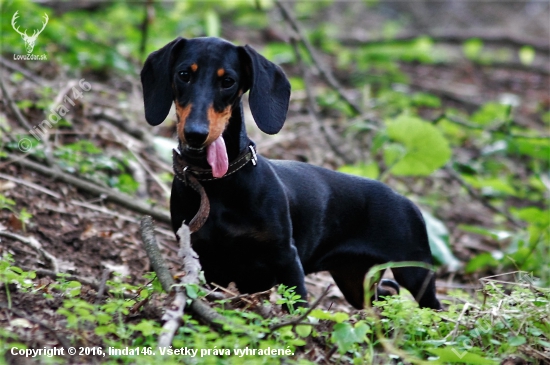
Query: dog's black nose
[[195, 136]]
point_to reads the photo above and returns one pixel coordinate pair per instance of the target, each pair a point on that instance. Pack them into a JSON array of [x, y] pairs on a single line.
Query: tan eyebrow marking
[[194, 67], [221, 72]]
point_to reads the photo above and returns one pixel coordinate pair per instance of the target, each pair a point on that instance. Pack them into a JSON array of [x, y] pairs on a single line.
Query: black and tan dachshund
[[271, 221]]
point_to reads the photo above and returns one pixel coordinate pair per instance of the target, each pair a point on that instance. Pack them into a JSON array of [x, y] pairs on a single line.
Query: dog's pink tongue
[[216, 155]]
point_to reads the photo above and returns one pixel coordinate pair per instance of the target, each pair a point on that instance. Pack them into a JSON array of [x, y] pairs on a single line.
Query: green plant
[[288, 297], [13, 275]]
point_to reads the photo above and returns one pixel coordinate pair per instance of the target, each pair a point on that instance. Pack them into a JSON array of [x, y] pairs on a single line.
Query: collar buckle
[[254, 158]]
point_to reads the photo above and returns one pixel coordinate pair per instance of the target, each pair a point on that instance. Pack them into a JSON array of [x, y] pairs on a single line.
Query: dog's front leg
[[291, 273]]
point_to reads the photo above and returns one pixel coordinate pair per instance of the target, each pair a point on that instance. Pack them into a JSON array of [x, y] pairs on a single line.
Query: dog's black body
[[274, 221]]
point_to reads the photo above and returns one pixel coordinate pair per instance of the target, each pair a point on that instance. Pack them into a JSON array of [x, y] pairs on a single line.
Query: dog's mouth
[[216, 156]]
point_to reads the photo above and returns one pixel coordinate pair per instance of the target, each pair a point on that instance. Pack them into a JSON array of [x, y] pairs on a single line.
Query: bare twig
[[140, 176], [34, 244], [23, 71], [457, 37], [24, 122], [153, 252], [109, 194], [102, 284], [474, 194], [325, 130], [151, 173], [121, 122], [234, 295], [79, 204], [192, 268], [148, 16], [190, 258], [327, 75], [62, 340], [197, 307], [298, 321], [498, 128], [30, 185], [91, 283]]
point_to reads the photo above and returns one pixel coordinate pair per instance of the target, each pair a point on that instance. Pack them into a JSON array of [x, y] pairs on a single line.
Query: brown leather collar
[[182, 169], [191, 176]]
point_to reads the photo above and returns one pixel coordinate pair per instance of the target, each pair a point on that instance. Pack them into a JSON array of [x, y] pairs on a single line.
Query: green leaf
[[303, 331], [361, 329], [278, 52], [483, 260], [526, 55], [296, 83], [104, 330], [491, 186], [426, 149], [146, 327], [320, 314], [438, 236], [516, 340], [393, 153], [344, 336], [192, 291], [127, 184], [491, 112], [454, 355], [370, 170], [472, 48], [425, 99], [340, 317]]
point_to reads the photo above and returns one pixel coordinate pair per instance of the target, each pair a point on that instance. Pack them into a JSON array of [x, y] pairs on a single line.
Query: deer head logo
[[29, 40]]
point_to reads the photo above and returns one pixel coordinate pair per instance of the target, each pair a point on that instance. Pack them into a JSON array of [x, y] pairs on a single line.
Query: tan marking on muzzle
[[221, 72], [194, 67], [217, 123], [182, 113]]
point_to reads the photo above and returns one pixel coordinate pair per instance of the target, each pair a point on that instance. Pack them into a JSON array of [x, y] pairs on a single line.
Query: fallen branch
[[192, 268], [497, 129], [174, 313], [120, 122], [69, 277], [102, 285], [153, 252], [298, 321], [326, 131], [96, 208], [34, 244], [65, 343], [456, 37], [14, 66], [325, 73], [48, 152], [474, 194], [30, 185], [110, 194], [147, 168]]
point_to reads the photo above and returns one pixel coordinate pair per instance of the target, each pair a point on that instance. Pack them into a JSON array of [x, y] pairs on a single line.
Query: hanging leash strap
[[191, 176]]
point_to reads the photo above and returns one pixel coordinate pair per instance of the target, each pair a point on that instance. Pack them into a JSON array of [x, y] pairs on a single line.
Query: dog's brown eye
[[185, 76], [227, 82]]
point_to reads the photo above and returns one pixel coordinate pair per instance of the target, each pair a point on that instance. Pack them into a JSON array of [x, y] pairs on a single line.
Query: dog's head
[[205, 78]]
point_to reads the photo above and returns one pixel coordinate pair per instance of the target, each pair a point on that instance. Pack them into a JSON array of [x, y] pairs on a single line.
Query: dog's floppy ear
[[269, 91], [156, 82]]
